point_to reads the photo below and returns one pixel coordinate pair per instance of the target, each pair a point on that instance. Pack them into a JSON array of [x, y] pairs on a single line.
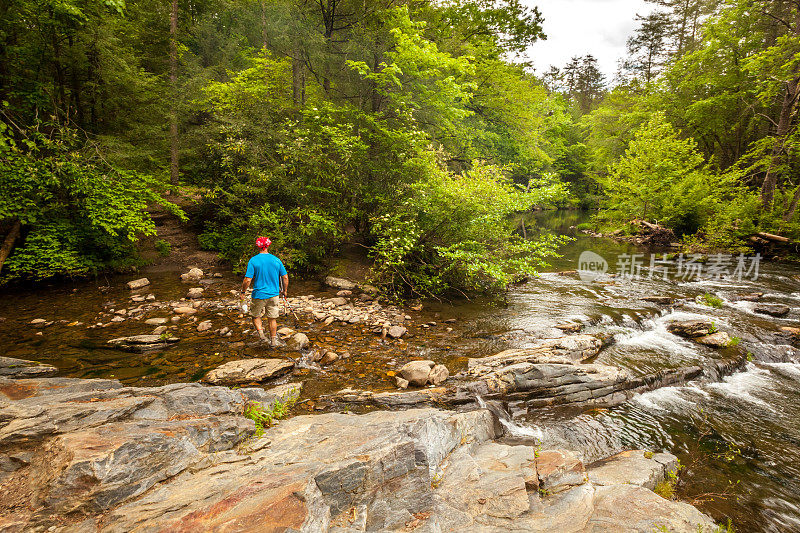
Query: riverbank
[[92, 455]]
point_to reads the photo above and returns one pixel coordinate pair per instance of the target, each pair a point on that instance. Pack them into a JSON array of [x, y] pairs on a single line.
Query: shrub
[[710, 300], [453, 232], [163, 247]]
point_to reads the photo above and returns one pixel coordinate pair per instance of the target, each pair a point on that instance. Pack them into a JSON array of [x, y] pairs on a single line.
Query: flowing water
[[738, 436]]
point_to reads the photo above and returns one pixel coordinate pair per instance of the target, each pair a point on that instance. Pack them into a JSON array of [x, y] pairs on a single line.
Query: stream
[[738, 438]]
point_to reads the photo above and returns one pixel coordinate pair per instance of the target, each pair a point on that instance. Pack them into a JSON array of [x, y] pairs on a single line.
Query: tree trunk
[[783, 129], [784, 125], [8, 243], [173, 82], [298, 77]]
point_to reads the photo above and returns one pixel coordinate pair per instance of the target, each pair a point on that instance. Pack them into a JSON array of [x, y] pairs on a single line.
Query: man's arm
[[246, 285], [284, 284]]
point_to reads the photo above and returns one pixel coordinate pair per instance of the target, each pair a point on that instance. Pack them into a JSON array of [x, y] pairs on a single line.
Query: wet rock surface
[[92, 455], [248, 371], [21, 368]]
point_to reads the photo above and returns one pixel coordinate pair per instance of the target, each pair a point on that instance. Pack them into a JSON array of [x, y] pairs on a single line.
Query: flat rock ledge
[[21, 368], [551, 373], [248, 371], [92, 455]]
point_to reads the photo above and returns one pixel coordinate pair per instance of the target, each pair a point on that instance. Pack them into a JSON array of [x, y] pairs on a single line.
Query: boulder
[[438, 375], [157, 321], [635, 467], [285, 332], [634, 508], [776, 310], [248, 370], [298, 341], [329, 357], [417, 372], [559, 470], [338, 302], [142, 343], [138, 283], [691, 328], [751, 297], [21, 368], [661, 300], [340, 283], [194, 293], [400, 382], [344, 294], [396, 332], [719, 339], [194, 274], [205, 325]]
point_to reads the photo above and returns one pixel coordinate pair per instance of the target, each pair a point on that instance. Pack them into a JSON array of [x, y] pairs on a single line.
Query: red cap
[[263, 242]]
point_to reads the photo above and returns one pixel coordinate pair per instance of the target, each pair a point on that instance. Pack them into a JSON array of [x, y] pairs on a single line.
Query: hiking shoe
[[276, 343], [262, 335]]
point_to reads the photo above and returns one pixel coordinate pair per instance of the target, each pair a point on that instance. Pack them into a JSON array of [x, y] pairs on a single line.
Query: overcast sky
[[580, 27]]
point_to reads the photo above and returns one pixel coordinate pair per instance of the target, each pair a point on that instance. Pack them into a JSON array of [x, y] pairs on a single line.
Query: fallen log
[[772, 237]]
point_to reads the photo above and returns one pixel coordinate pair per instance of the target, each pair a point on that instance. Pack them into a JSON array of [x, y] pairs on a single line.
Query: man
[[270, 282]]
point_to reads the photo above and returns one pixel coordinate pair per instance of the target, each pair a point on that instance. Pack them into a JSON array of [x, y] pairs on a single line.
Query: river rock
[[21, 368], [396, 332], [194, 293], [329, 357], [691, 328], [635, 467], [634, 508], [340, 283], [38, 322], [400, 382], [574, 348], [157, 321], [205, 325], [438, 375], [661, 300], [719, 339], [298, 341], [159, 330], [417, 372], [184, 310], [338, 302], [248, 370], [776, 310], [344, 293], [194, 274], [142, 343], [559, 470], [285, 331], [138, 283], [752, 297]]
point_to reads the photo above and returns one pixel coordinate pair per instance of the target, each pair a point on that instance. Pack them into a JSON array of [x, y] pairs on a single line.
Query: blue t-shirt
[[266, 271]]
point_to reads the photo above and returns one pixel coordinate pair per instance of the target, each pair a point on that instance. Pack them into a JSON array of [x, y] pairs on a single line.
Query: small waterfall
[[513, 429]]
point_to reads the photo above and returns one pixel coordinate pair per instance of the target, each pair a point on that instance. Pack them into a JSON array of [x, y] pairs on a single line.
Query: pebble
[[205, 325]]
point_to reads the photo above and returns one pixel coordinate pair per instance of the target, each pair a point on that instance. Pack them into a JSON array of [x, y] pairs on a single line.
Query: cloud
[[580, 27]]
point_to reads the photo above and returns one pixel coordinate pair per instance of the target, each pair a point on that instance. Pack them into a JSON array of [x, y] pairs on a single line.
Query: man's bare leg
[[260, 327], [273, 332]]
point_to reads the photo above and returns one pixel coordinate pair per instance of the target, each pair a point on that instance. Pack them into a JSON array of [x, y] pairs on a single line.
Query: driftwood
[[773, 238]]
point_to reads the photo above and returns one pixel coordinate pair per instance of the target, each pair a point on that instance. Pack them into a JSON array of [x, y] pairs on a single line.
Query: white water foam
[[514, 429], [661, 399], [740, 385], [789, 370]]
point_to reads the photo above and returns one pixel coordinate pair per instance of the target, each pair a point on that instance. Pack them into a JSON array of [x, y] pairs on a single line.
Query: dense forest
[[413, 128]]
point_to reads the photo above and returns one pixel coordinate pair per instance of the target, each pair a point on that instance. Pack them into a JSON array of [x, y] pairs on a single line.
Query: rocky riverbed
[[93, 455]]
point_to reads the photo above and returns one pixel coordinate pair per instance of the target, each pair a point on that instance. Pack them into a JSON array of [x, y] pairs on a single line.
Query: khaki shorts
[[270, 306]]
